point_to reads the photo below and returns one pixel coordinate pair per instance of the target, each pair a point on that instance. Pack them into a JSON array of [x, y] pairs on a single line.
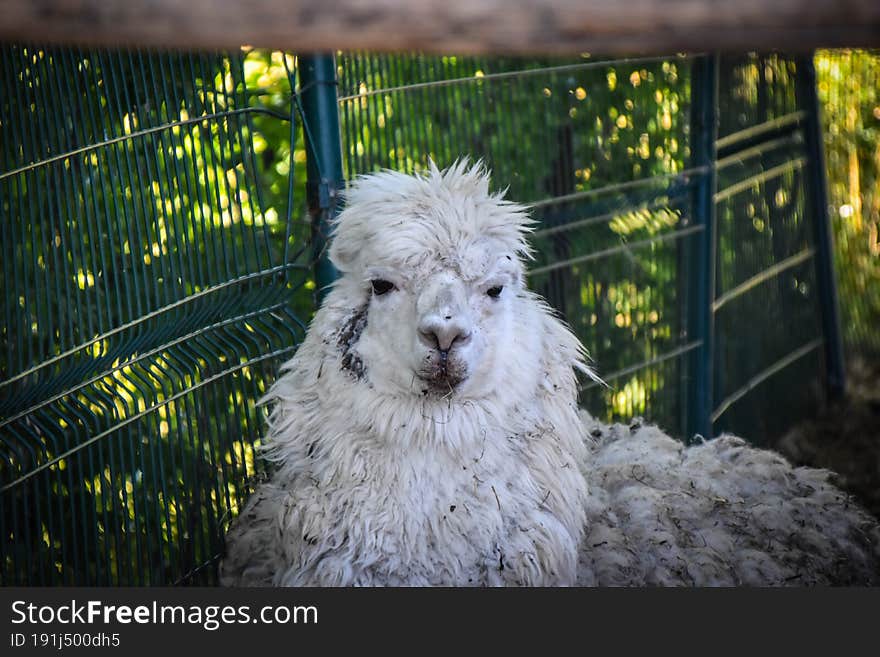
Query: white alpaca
[[427, 433]]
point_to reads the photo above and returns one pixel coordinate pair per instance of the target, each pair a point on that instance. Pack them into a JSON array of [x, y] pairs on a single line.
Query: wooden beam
[[460, 26]]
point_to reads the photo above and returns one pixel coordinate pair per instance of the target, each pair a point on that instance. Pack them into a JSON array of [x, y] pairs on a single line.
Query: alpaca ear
[[343, 254]]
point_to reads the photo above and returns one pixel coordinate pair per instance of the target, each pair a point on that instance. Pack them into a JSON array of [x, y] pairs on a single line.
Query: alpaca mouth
[[442, 379], [442, 371]]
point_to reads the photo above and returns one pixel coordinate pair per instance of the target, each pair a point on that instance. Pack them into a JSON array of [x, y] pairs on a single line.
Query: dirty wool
[[427, 433]]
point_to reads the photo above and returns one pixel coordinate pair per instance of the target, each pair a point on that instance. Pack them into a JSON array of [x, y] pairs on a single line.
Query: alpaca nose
[[442, 331]]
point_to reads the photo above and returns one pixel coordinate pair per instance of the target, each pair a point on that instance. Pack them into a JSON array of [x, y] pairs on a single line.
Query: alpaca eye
[[380, 287], [494, 292]]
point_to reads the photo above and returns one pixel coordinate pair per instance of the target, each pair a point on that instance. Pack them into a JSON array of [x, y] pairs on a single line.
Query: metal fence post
[[324, 179], [701, 283], [817, 190]]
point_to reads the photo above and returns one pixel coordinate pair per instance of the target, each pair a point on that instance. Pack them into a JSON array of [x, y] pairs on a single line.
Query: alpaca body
[[373, 489], [720, 513], [426, 433]]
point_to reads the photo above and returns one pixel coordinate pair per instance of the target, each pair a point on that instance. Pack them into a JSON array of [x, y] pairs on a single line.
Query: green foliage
[[849, 90]]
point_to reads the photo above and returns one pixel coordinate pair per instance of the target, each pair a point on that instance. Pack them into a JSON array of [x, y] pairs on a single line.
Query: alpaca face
[[440, 331], [431, 282]]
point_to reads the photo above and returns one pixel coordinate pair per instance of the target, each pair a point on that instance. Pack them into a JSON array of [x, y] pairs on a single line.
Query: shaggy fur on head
[[427, 433]]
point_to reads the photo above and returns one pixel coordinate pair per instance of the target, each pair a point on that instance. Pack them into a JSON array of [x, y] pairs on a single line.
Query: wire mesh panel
[[769, 340], [149, 293], [599, 149], [601, 152]]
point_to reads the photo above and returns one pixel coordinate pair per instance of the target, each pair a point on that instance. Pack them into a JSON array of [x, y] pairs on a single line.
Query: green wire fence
[[159, 263], [604, 152], [149, 299]]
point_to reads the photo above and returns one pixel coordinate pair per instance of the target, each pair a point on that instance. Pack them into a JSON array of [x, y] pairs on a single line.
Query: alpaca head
[[433, 265]]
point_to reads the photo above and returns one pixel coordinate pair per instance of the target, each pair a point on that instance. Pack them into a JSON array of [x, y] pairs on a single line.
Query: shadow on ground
[[845, 437]]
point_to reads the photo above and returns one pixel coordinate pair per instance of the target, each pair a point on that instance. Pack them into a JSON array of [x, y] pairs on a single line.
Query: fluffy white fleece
[[384, 477], [720, 513]]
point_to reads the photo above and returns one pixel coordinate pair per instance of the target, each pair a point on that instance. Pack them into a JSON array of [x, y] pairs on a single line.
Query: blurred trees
[[849, 90]]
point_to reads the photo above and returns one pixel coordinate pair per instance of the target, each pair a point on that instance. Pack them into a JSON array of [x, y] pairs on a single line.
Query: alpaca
[[427, 432]]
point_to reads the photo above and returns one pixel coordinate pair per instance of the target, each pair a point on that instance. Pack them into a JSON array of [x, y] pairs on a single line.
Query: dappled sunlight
[[150, 262]]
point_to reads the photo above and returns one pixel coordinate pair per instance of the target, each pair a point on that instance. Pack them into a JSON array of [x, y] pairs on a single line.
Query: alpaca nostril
[[429, 339], [450, 338], [442, 336]]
